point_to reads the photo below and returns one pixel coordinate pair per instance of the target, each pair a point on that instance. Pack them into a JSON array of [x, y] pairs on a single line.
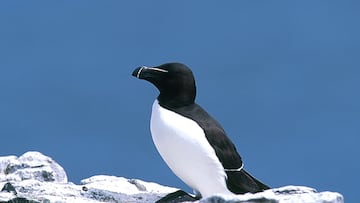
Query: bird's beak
[[137, 71], [142, 71]]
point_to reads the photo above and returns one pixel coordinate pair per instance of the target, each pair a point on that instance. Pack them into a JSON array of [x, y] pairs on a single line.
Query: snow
[[34, 176]]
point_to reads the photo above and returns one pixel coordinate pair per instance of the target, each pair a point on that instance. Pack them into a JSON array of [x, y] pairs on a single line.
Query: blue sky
[[281, 76]]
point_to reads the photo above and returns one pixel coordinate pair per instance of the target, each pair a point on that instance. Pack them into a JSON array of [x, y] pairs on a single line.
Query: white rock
[[103, 188], [39, 178], [6, 196], [123, 185], [95, 189], [4, 162], [31, 165], [286, 194]]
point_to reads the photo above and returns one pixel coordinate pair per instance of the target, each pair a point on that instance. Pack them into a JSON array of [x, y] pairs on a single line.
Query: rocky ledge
[[34, 178]]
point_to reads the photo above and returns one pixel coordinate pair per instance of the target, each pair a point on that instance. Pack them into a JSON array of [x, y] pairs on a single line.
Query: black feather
[[238, 182]]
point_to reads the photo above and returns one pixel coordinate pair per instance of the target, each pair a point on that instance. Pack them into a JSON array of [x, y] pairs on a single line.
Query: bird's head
[[175, 81]]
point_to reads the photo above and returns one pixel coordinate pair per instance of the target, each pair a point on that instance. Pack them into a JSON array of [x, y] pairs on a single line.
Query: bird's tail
[[240, 182]]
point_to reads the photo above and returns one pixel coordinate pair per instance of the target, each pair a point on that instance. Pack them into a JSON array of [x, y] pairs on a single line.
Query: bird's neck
[[171, 101]]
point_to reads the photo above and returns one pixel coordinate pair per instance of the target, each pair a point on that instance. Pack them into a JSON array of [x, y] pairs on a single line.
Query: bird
[[191, 142]]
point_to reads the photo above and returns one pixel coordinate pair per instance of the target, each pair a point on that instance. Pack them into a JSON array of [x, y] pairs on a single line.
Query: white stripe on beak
[[138, 73], [159, 69]]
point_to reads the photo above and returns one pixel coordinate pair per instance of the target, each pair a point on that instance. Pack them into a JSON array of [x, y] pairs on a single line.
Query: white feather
[[182, 144]]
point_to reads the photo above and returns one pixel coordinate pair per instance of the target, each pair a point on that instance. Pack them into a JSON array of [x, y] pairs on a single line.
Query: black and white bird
[[191, 142]]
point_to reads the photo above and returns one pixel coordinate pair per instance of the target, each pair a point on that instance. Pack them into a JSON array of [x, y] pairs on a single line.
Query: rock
[[293, 194], [4, 162], [8, 188], [20, 200], [31, 165], [106, 188], [93, 190], [34, 178]]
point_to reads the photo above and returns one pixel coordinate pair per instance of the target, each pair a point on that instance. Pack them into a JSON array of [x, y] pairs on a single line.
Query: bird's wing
[[225, 150], [238, 182]]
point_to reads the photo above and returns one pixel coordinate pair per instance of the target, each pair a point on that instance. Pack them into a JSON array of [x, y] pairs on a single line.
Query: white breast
[[182, 144]]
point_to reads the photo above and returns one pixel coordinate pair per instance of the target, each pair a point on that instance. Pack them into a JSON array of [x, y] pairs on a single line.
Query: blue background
[[281, 76]]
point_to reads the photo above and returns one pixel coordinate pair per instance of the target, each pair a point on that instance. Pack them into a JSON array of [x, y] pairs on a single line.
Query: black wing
[[238, 182]]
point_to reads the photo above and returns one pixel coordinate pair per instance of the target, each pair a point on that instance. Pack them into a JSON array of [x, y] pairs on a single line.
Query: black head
[[175, 81]]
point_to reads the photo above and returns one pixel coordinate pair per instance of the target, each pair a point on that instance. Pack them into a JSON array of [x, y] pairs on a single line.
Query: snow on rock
[[34, 178]]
